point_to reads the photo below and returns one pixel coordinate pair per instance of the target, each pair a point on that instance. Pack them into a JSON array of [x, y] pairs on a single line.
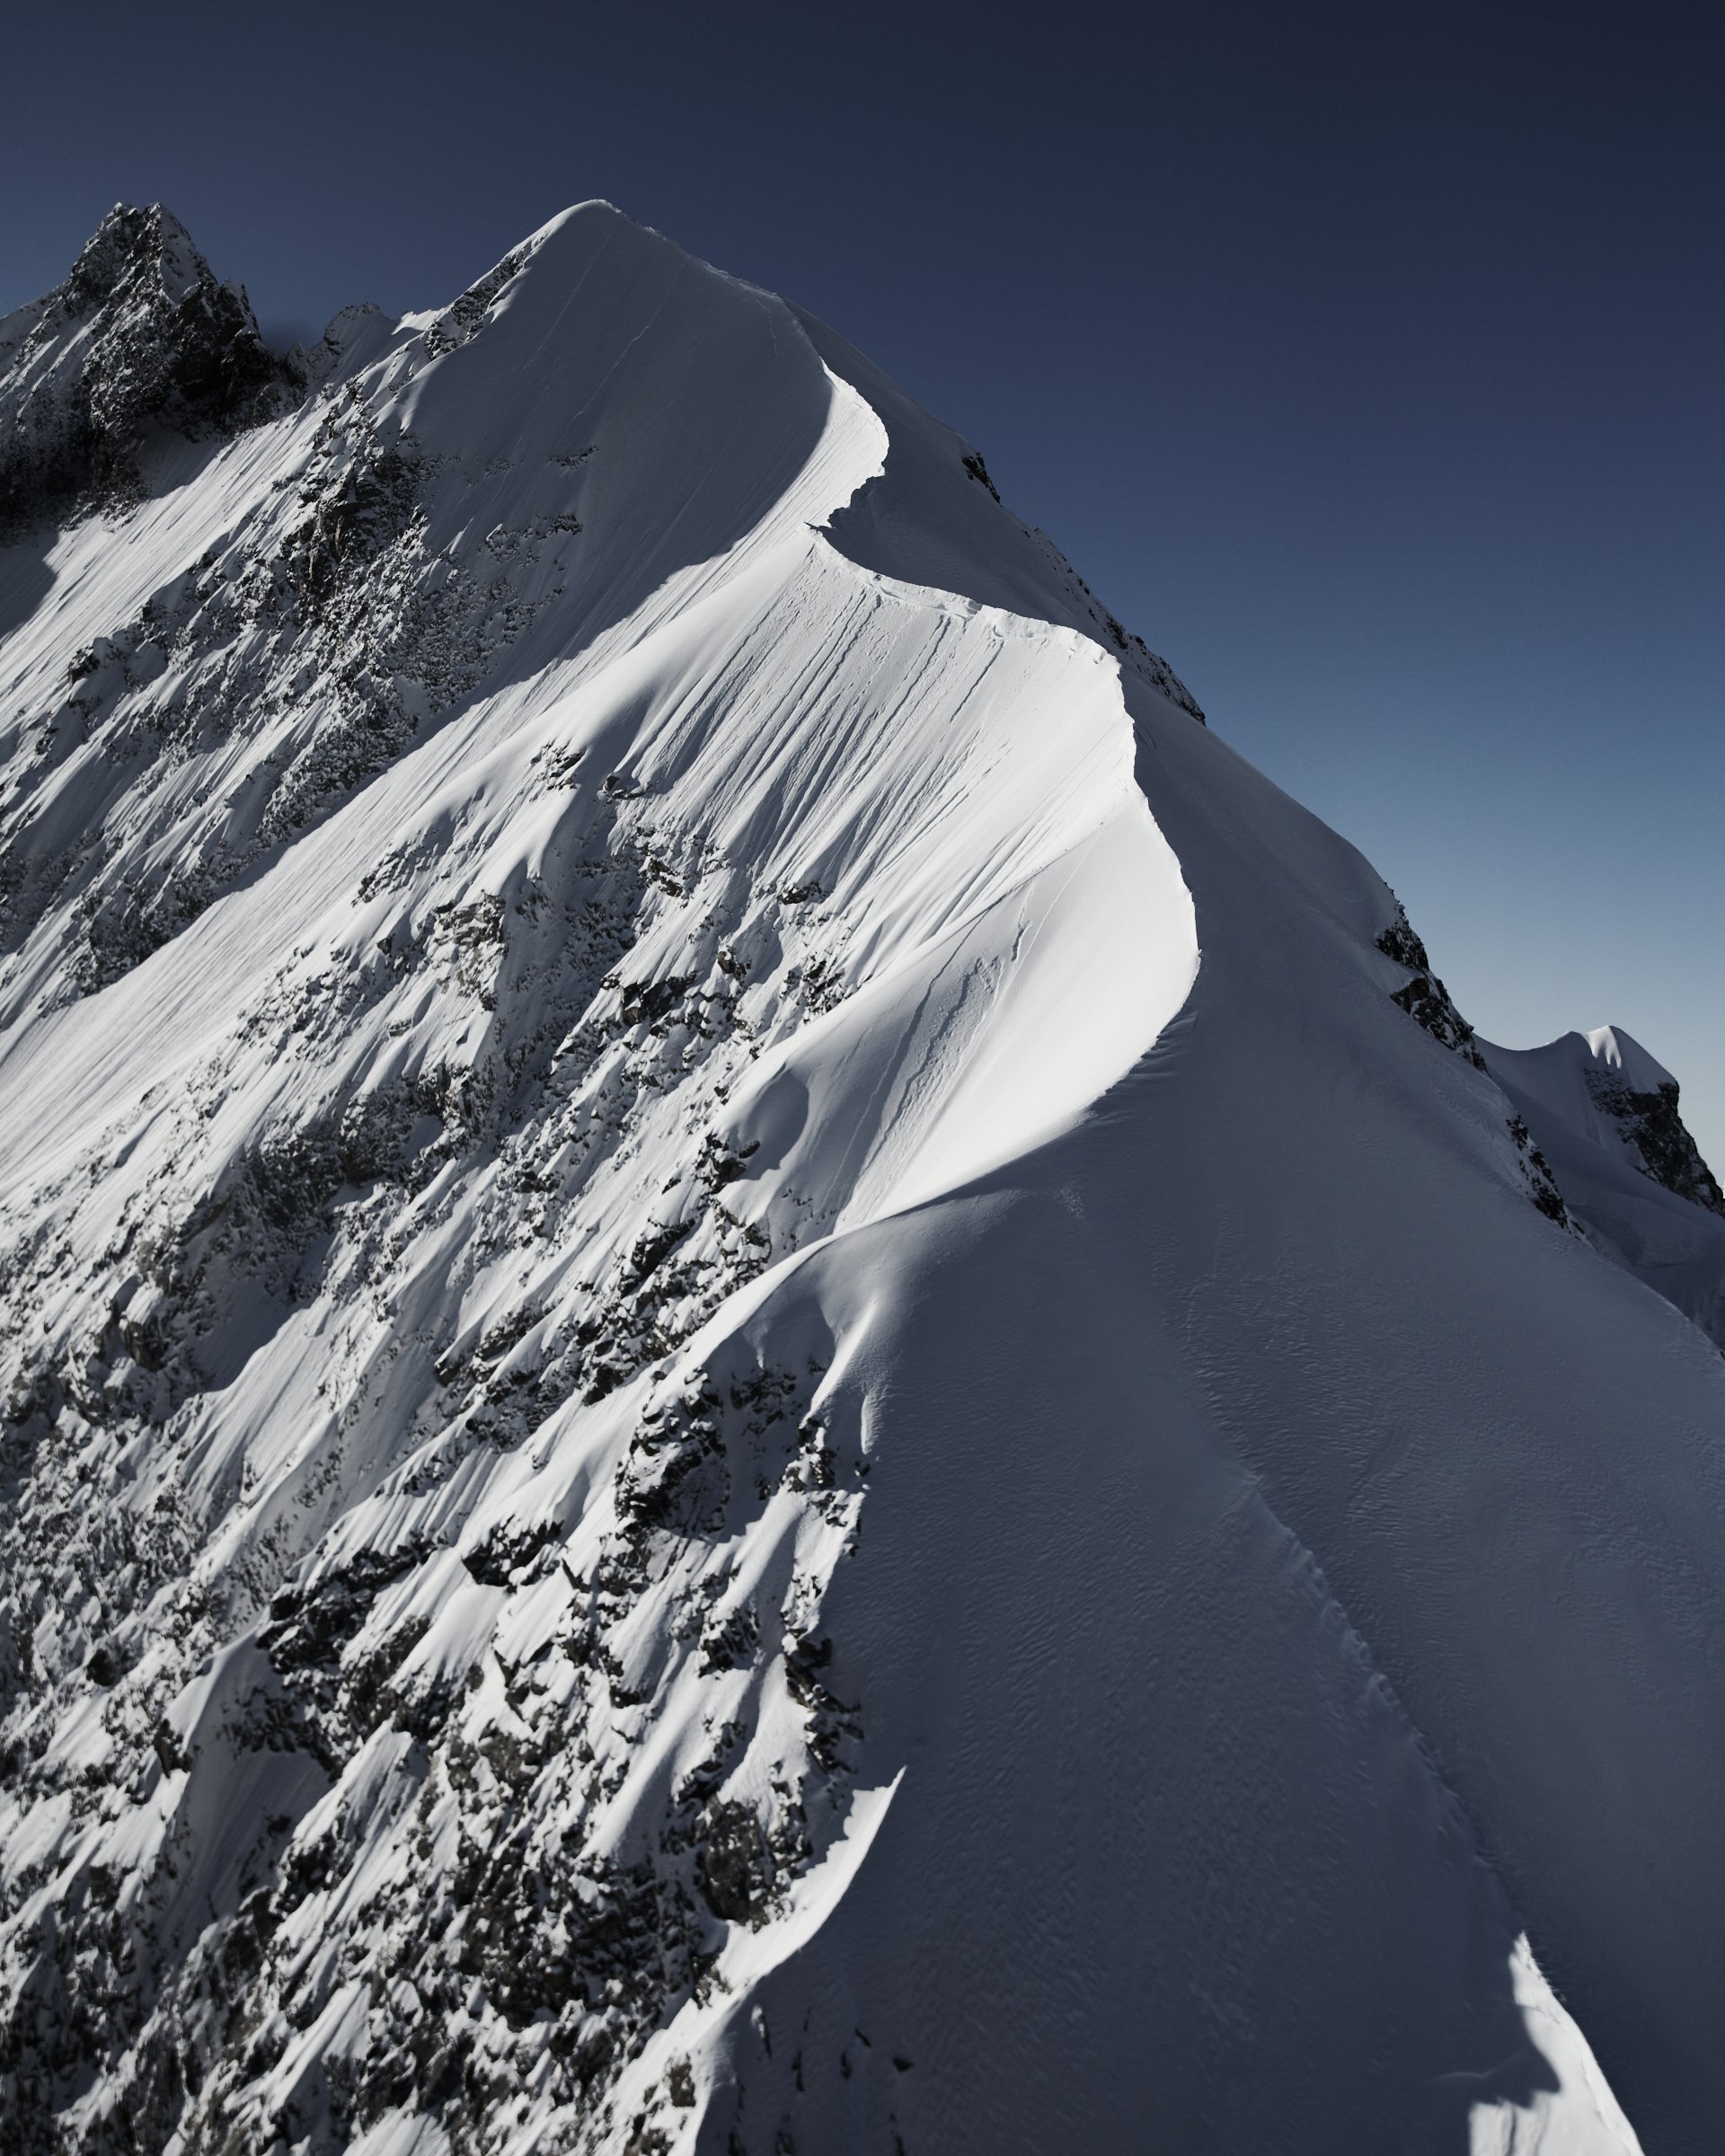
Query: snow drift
[[705, 1450]]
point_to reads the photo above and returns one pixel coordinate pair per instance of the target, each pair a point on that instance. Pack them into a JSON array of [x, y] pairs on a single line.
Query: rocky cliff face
[[1651, 1124], [701, 1450], [138, 348]]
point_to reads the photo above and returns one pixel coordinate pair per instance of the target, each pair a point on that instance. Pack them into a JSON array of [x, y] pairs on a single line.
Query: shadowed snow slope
[[1606, 1117], [703, 1453]]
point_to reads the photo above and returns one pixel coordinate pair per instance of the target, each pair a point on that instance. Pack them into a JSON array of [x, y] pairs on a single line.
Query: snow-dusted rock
[[705, 1450], [138, 351], [1605, 1114]]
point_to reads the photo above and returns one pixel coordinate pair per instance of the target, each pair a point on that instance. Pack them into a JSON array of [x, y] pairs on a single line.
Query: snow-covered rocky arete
[[1604, 1114], [702, 1452]]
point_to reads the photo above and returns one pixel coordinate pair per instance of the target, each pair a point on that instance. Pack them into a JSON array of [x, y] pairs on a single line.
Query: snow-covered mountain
[[1604, 1114], [776, 1378]]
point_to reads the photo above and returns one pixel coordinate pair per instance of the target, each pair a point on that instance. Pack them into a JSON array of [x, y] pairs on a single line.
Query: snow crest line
[[494, 889]]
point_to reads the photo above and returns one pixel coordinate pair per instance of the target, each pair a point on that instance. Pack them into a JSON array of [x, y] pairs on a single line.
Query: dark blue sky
[[1367, 359]]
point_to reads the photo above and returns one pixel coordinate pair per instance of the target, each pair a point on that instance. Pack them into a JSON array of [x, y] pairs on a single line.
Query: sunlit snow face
[[704, 1445]]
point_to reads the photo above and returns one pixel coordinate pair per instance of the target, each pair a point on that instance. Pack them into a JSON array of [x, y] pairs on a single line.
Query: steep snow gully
[[702, 1452]]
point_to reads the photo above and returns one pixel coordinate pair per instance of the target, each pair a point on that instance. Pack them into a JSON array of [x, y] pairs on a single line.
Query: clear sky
[[1366, 358]]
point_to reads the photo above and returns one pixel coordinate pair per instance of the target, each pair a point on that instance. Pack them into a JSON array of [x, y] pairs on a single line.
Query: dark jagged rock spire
[[140, 336]]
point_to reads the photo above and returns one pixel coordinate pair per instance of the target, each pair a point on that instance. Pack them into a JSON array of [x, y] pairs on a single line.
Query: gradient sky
[[1366, 359]]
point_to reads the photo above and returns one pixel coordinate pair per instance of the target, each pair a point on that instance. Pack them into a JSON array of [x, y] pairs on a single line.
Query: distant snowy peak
[[1604, 1087], [1639, 1097], [1613, 1050], [1601, 1144], [1606, 1115], [140, 337]]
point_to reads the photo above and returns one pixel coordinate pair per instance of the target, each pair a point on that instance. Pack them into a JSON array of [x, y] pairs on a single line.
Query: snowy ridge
[[1606, 1115], [701, 1452], [737, 913]]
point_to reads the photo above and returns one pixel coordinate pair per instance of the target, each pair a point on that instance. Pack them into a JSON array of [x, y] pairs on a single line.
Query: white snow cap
[[1611, 1046]]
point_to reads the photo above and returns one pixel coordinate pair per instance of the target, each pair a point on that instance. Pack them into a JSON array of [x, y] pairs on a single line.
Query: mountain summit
[[139, 342], [775, 1377]]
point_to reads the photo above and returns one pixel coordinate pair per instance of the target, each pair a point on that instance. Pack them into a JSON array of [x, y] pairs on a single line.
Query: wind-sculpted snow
[[495, 883], [701, 1453]]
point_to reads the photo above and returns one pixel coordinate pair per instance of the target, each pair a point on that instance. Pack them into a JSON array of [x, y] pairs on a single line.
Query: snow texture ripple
[[702, 1452]]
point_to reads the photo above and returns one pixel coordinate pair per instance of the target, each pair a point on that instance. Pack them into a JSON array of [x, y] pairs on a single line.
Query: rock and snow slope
[[702, 1452], [1604, 1114]]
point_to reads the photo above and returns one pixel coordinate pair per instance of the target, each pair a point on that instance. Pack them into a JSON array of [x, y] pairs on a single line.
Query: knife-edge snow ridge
[[702, 1454], [493, 881]]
